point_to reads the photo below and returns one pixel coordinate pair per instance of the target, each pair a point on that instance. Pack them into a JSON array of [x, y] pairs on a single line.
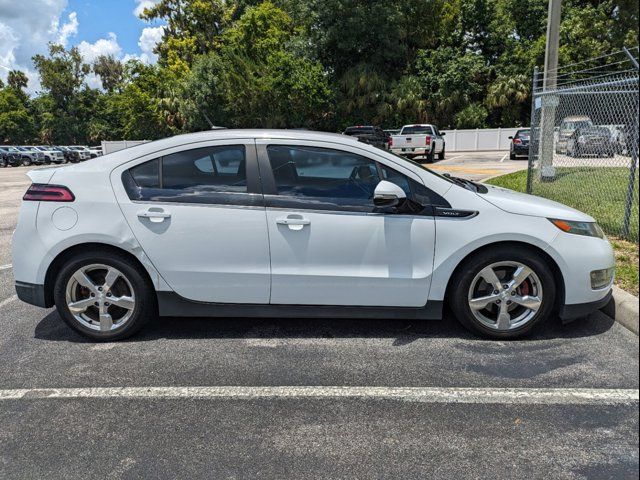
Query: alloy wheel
[[100, 297], [505, 295]]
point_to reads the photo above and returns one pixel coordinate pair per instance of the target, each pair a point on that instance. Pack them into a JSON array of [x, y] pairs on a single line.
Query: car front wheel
[[503, 293], [104, 296]]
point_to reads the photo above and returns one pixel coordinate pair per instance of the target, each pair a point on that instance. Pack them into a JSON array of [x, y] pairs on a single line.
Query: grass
[[601, 193], [626, 265]]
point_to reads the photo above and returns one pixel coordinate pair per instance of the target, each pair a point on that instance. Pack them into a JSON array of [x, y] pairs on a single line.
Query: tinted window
[[322, 172], [147, 174], [359, 131], [212, 169], [417, 130]]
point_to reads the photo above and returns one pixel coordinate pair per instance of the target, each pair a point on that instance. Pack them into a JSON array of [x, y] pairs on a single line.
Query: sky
[[96, 27]]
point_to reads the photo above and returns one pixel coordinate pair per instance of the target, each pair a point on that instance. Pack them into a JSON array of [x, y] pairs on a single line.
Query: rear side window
[[147, 174], [200, 175], [217, 168]]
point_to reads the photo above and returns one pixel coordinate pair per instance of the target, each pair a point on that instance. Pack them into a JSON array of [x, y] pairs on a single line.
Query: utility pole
[[550, 101]]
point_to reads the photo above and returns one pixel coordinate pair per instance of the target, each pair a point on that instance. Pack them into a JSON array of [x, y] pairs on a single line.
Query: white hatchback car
[[239, 223]]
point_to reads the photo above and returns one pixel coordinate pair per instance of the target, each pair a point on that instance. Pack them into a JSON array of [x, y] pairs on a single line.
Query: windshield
[[417, 130], [405, 159], [523, 134]]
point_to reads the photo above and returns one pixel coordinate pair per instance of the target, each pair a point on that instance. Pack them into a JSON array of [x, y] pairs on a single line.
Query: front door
[[199, 216], [329, 244]]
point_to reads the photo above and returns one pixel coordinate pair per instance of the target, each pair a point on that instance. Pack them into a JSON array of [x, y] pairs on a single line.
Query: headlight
[[588, 229]]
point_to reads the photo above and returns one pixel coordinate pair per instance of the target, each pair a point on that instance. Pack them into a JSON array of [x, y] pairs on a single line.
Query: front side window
[[201, 175], [322, 173], [334, 179]]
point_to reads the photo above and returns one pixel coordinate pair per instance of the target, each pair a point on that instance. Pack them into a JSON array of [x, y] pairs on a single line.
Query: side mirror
[[442, 134], [511, 138], [388, 194]]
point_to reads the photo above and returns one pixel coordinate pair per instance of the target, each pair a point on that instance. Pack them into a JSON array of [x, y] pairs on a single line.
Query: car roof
[[115, 158]]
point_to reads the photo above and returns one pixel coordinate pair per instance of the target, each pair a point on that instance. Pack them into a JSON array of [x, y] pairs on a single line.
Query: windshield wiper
[[463, 182]]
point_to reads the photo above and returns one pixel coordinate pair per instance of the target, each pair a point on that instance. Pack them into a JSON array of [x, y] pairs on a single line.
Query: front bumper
[[579, 310]]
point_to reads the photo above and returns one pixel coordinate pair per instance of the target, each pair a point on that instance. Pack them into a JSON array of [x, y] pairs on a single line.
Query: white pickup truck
[[419, 140]]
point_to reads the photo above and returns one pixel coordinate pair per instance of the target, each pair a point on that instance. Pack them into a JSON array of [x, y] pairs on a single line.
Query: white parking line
[[453, 158], [5, 267], [504, 158], [545, 396], [6, 301]]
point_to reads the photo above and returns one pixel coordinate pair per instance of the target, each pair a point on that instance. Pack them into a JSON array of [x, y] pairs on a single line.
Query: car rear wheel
[[503, 293], [441, 154], [26, 161], [104, 296], [430, 157]]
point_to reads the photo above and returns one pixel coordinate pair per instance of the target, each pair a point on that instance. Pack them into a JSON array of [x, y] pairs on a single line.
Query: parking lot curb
[[623, 308]]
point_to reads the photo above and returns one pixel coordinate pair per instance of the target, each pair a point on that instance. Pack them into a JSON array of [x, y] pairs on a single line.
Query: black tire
[[26, 162], [512, 156], [461, 284], [145, 299], [441, 154], [430, 157]]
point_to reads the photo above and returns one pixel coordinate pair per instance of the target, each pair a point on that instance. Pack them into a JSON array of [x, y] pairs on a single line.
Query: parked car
[[83, 151], [10, 157], [591, 140], [70, 155], [113, 243], [567, 129], [419, 140], [95, 152], [368, 134], [31, 156], [51, 155], [520, 144]]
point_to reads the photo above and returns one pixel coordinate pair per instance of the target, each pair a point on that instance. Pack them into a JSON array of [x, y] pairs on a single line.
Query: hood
[[523, 204]]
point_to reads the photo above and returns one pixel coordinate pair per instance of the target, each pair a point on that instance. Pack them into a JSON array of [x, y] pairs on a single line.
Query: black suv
[[369, 134], [10, 157], [520, 144]]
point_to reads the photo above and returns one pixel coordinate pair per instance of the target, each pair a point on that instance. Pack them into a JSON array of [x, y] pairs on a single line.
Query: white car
[[238, 223]]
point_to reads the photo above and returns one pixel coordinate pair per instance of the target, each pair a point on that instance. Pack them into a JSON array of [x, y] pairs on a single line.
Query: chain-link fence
[[584, 140]]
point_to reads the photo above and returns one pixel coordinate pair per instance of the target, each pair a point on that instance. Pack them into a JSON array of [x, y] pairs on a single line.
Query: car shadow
[[404, 332]]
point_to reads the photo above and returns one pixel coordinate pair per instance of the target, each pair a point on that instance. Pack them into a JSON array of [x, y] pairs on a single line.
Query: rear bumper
[[521, 150], [411, 150], [579, 310], [32, 293]]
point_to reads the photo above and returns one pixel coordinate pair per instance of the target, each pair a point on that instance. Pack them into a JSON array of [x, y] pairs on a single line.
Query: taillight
[[427, 140], [517, 141], [39, 192], [391, 141]]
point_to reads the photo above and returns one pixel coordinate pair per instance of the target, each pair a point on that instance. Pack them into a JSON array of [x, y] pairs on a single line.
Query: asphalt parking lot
[[197, 398]]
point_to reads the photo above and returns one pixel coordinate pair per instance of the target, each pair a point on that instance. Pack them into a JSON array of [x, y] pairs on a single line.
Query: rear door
[[198, 213], [329, 244]]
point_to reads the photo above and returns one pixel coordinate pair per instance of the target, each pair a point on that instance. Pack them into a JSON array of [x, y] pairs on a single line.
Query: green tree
[[192, 28], [16, 124], [110, 70]]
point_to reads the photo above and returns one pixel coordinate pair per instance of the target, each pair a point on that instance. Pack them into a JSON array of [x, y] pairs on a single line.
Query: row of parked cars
[[15, 156], [411, 141]]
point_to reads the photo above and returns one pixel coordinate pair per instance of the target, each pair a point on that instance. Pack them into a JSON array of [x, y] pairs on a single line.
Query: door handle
[[156, 216], [293, 222]]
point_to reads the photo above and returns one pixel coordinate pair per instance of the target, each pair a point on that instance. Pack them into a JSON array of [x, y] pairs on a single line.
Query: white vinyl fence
[[115, 145], [456, 140], [478, 139]]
